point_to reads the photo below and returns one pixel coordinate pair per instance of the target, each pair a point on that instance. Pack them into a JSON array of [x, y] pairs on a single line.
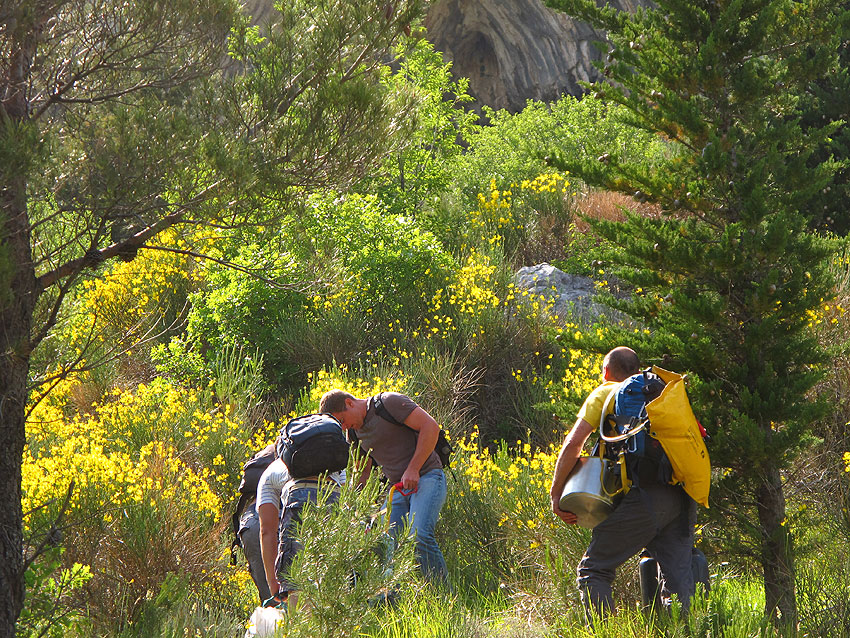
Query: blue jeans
[[422, 508], [290, 516]]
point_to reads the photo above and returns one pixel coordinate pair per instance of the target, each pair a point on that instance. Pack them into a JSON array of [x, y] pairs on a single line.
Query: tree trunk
[[18, 292], [12, 397], [777, 557]]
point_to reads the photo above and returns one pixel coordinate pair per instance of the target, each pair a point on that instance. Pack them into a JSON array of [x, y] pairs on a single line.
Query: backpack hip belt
[[302, 484]]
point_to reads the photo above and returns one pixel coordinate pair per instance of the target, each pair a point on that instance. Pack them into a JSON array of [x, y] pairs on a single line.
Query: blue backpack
[[645, 458]]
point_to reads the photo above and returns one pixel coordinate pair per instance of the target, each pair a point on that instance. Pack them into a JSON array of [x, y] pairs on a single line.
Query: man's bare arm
[[429, 432], [269, 517], [567, 457]]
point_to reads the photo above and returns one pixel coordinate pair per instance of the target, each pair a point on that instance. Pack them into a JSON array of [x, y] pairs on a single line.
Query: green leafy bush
[[514, 146], [48, 611], [243, 306], [351, 268], [408, 179]]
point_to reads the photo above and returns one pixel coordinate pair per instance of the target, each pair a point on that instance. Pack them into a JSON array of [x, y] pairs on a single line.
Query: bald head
[[621, 362]]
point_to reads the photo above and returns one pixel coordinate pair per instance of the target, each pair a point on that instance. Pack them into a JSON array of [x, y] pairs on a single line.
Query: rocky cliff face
[[511, 50], [515, 50]]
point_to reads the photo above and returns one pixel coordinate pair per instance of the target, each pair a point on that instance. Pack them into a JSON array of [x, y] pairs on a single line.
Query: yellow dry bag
[[672, 422]]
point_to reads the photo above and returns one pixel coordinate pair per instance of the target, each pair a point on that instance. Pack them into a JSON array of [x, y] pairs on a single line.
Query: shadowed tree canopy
[[117, 122]]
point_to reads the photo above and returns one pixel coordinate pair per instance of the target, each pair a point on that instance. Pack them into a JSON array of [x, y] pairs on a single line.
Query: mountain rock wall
[[515, 50], [511, 50]]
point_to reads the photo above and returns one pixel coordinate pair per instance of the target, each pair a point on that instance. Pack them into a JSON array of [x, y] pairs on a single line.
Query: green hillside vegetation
[[210, 252]]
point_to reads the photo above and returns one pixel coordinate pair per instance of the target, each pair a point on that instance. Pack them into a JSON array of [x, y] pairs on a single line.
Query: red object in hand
[[399, 487]]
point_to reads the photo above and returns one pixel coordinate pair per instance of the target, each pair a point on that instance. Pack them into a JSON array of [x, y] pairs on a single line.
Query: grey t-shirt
[[392, 446]]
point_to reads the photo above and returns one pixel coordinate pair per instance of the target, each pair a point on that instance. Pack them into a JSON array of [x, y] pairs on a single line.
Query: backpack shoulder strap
[[352, 437], [443, 448], [382, 411], [607, 416]]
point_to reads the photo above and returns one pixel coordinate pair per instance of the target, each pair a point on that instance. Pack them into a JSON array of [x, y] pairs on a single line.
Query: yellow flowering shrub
[[509, 218], [498, 516], [473, 286], [828, 314], [129, 298], [463, 312], [209, 442], [230, 587], [547, 183], [582, 373], [149, 476], [518, 480], [328, 379]]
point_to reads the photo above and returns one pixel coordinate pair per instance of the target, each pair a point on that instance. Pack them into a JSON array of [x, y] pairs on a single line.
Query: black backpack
[[311, 445], [443, 448], [252, 470]]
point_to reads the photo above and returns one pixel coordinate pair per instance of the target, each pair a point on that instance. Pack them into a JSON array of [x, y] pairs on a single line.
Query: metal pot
[[590, 489]]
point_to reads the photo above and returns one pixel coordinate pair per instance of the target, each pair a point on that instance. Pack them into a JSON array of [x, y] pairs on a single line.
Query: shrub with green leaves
[[350, 268], [389, 266], [242, 306], [422, 167], [48, 611], [512, 148]]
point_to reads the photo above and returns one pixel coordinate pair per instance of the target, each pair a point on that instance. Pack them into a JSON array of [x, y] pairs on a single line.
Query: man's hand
[[568, 517], [410, 480]]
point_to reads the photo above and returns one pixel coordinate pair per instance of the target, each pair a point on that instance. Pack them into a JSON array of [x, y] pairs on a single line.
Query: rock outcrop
[[515, 50], [570, 296], [511, 50]]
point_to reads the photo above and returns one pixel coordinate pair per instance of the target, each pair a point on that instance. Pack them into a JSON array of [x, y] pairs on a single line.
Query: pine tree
[[828, 99], [350, 566], [726, 276]]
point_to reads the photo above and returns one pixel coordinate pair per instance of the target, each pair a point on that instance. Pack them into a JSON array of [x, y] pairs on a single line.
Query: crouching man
[[280, 502]]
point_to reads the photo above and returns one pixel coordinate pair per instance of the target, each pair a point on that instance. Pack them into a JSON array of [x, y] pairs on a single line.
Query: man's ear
[[349, 403]]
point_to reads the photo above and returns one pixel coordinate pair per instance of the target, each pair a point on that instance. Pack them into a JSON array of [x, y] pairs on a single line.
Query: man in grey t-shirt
[[406, 456]]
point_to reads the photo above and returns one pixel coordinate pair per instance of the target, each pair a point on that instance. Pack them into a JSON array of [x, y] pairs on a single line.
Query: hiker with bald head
[[653, 514]]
